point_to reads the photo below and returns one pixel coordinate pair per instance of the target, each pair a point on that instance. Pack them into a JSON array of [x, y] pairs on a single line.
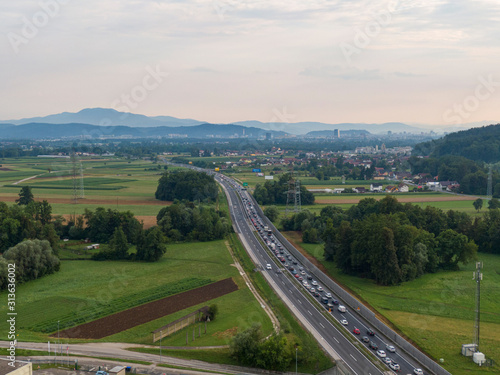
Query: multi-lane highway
[[310, 298]]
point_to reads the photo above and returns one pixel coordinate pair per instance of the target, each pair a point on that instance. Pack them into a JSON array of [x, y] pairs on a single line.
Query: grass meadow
[[101, 288]]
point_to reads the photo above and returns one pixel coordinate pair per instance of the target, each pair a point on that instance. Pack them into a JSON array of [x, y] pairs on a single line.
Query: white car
[[312, 290], [387, 360], [268, 266], [314, 282], [319, 289], [381, 353], [344, 322], [390, 348], [418, 371], [394, 366], [328, 295]]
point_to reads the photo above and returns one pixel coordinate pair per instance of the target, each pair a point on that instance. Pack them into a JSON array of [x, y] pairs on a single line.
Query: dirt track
[[423, 198], [135, 316]]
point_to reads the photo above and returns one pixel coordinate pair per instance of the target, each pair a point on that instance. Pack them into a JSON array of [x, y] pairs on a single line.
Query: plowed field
[[130, 318]]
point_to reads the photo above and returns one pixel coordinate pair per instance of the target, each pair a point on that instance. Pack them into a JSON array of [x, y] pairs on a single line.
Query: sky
[[421, 62]]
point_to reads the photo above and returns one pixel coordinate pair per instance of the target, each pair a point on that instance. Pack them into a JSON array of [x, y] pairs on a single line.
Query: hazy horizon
[[222, 61]]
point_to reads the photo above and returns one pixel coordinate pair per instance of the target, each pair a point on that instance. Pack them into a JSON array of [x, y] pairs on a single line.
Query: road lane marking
[[353, 358], [321, 325], [336, 340], [310, 313]]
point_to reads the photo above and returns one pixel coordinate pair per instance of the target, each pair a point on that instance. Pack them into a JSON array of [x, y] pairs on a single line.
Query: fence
[[353, 303], [180, 323]]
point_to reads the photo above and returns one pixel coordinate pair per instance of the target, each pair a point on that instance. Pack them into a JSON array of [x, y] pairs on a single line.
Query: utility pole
[[160, 345], [477, 276]]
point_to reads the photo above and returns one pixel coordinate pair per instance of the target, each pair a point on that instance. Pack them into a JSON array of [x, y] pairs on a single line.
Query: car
[[328, 295], [316, 294], [295, 262], [381, 353], [312, 290], [314, 282], [356, 331], [390, 348], [101, 373], [418, 371], [319, 288], [278, 271], [365, 339], [373, 345], [394, 366], [302, 272], [305, 283], [335, 302], [296, 274], [324, 300], [268, 266], [344, 322], [370, 332], [300, 278], [309, 277], [387, 360]]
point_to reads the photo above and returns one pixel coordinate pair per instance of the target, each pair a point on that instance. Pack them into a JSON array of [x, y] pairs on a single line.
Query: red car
[[356, 331]]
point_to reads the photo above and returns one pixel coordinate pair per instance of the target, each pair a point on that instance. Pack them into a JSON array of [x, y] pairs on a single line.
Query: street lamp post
[[160, 345], [296, 349], [57, 336]]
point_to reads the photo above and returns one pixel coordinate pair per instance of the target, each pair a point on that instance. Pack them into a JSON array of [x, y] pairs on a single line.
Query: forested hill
[[479, 144]]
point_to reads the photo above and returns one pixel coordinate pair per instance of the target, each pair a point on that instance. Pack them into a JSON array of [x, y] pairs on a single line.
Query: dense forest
[[392, 242], [479, 144], [275, 192]]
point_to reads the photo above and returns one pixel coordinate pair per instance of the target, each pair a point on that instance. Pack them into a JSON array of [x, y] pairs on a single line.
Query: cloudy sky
[[419, 61]]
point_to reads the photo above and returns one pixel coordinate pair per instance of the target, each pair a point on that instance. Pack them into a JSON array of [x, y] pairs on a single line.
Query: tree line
[[392, 242]]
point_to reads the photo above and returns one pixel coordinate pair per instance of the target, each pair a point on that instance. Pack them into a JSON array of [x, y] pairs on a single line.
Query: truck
[[266, 228]]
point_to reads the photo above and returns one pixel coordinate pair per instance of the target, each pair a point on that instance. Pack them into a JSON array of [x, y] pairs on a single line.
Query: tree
[[25, 196], [33, 259], [118, 245], [213, 310], [272, 213], [493, 203], [274, 354], [152, 247], [478, 204], [245, 345]]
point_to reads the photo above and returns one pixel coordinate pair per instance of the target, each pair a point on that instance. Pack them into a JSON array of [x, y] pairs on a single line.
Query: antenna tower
[[478, 276]]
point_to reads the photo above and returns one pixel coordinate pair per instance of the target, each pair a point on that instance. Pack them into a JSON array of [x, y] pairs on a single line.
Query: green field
[[83, 288], [436, 310]]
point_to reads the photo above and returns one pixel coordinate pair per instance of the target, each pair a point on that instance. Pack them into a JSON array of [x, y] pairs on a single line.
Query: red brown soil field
[[135, 316]]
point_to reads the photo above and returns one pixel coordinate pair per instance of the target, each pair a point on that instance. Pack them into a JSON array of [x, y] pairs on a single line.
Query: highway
[[266, 249]]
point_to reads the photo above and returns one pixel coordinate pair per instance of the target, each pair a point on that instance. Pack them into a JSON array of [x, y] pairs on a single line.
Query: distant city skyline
[[223, 61]]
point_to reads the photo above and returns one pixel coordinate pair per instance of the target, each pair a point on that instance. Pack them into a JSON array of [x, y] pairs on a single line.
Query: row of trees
[[393, 242], [275, 192], [190, 185]]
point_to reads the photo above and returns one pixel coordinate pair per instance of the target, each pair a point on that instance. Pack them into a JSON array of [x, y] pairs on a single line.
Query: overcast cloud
[[417, 61]]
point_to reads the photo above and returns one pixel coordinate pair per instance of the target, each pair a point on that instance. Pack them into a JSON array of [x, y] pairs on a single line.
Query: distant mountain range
[[75, 130], [111, 117]]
